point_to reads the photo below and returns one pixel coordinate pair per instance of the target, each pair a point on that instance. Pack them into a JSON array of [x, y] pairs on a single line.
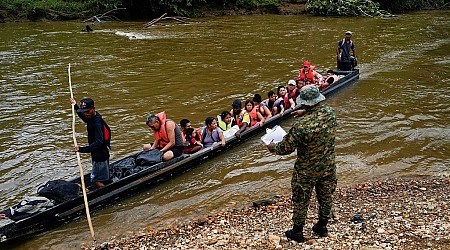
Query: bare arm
[[291, 101], [267, 111], [222, 139], [338, 52], [170, 128], [261, 118]]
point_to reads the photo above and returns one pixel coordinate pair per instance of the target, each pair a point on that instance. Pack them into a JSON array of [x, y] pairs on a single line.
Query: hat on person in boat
[[306, 63], [292, 82], [310, 95], [348, 32], [236, 103], [85, 105]]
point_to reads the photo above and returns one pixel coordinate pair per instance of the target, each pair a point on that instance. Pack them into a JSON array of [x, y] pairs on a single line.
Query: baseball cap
[[236, 103], [306, 64], [85, 105], [348, 32], [291, 82]]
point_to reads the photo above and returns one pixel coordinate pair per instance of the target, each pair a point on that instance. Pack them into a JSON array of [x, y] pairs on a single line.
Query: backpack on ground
[[59, 190]]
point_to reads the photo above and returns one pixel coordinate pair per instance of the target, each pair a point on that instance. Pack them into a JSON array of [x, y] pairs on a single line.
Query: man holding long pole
[[98, 146]]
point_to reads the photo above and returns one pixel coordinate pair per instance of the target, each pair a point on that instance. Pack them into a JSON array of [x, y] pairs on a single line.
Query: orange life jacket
[[161, 138], [309, 75], [253, 116]]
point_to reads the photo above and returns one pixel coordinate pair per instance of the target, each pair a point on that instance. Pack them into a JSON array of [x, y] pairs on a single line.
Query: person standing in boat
[[346, 53], [313, 136], [98, 131], [168, 138]]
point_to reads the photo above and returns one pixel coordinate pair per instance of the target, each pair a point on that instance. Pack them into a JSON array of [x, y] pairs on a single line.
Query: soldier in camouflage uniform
[[313, 135]]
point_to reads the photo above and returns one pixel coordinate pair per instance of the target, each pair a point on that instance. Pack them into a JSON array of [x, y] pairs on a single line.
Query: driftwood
[[165, 17], [98, 18]]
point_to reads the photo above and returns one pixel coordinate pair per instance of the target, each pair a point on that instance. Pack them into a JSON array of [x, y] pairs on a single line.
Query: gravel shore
[[389, 214]]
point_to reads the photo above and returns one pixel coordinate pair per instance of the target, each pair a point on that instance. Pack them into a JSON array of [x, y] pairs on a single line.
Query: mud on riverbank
[[389, 214]]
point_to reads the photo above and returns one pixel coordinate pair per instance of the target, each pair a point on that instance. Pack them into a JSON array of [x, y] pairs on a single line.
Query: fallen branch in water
[[98, 18], [165, 17]]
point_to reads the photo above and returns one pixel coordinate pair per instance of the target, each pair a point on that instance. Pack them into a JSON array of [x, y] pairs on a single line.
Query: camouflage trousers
[[303, 182]]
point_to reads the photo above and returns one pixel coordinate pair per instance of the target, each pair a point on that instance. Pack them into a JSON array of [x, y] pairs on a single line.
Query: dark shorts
[[100, 171], [177, 151]]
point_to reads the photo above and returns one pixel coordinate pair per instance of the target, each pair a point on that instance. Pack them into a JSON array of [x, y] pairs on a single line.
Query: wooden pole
[[83, 185]]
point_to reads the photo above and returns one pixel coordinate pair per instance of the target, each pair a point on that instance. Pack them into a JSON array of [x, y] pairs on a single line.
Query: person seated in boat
[[275, 102], [281, 94], [226, 122], [308, 72], [272, 103], [241, 117], [185, 124], [289, 97], [211, 134], [168, 137], [300, 83], [261, 106], [256, 119], [191, 139], [329, 79]]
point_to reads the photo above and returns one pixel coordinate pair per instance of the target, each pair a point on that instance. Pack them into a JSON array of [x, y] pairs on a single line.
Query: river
[[393, 122]]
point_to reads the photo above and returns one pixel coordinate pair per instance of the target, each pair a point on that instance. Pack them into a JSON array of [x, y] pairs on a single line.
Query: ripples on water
[[392, 122]]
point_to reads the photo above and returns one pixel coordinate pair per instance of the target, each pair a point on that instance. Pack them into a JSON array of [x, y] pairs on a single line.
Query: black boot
[[320, 228], [295, 234]]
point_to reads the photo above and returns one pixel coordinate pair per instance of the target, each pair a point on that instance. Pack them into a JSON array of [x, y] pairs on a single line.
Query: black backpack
[[59, 190], [106, 134]]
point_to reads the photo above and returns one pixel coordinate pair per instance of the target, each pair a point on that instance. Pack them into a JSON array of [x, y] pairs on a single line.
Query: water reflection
[[393, 122]]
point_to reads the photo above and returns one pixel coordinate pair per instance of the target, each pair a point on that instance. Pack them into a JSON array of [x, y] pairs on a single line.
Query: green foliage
[[251, 4], [32, 9], [343, 8], [404, 5]]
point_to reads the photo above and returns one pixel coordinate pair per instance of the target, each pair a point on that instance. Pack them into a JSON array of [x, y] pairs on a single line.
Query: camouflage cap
[[310, 95]]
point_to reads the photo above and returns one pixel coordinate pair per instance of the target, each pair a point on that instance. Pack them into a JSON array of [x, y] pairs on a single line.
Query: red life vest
[[309, 75], [161, 138], [253, 116]]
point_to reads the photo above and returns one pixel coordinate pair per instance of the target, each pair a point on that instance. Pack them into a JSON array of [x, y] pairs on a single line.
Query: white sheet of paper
[[275, 135]]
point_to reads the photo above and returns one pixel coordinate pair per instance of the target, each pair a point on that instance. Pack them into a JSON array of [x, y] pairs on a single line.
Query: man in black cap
[[98, 138], [345, 59]]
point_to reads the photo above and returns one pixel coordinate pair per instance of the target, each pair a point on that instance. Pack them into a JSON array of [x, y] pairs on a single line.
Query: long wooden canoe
[[142, 180]]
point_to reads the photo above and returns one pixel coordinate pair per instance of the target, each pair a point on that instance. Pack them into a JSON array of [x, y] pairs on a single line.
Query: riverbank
[[390, 214]]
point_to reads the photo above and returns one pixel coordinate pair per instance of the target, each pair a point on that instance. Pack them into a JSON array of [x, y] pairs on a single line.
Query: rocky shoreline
[[407, 213]]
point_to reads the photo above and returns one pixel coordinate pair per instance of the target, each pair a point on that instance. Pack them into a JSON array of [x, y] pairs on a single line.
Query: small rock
[[211, 241]]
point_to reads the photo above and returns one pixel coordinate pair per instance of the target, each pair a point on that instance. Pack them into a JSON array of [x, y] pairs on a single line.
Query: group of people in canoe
[[175, 139], [312, 136]]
